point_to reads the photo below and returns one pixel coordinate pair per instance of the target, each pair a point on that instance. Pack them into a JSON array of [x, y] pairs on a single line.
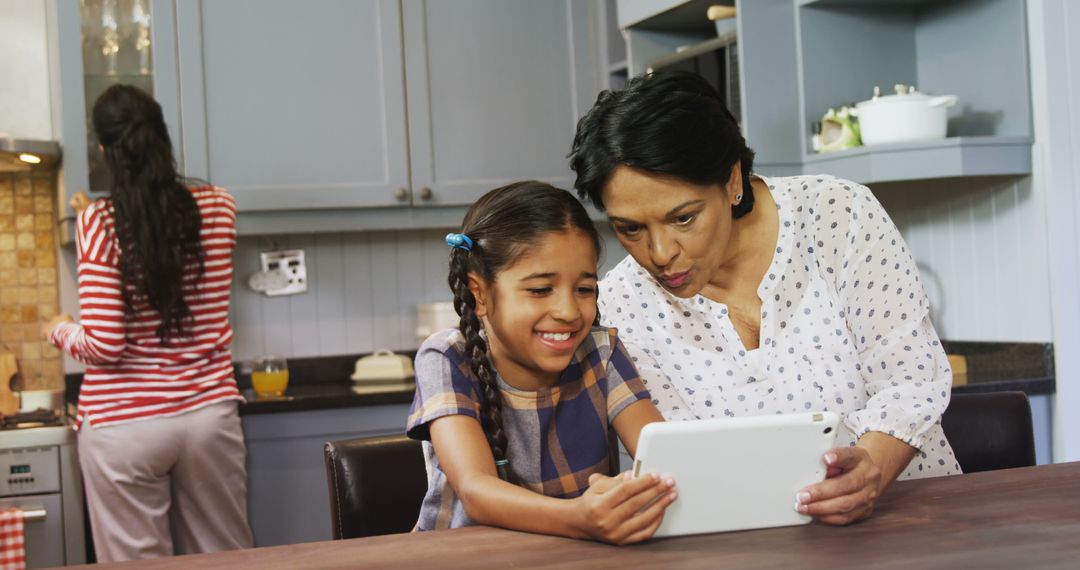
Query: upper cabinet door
[[495, 88], [294, 105]]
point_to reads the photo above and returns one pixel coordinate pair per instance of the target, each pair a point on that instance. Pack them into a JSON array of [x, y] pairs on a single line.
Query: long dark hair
[[157, 221], [503, 224], [670, 123]]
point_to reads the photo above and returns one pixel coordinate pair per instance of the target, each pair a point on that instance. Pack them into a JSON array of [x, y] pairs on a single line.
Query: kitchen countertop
[[319, 383], [1003, 366], [322, 383], [316, 383], [321, 396]]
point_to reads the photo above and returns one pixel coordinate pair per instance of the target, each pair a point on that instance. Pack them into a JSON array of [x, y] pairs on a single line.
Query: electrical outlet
[[291, 264]]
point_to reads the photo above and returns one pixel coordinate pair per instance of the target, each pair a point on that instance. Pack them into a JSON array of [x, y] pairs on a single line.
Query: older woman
[[746, 295]]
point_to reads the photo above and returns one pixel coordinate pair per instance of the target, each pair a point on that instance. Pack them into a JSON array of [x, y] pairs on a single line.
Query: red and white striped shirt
[[130, 374]]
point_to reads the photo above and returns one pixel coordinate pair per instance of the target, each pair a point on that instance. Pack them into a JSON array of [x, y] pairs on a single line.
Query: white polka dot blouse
[[844, 327]]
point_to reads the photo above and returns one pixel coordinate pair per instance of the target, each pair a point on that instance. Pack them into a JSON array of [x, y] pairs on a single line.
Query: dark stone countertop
[[321, 383], [1003, 366], [316, 383], [320, 396]]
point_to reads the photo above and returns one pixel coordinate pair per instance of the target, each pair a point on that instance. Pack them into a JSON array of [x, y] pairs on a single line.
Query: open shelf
[[668, 15], [798, 58], [707, 46], [945, 47], [945, 158]]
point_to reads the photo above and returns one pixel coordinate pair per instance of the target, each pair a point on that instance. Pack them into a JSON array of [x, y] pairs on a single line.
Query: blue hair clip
[[459, 241]]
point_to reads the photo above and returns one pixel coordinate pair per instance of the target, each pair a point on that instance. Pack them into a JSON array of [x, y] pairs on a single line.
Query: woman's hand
[[47, 328], [79, 201], [624, 509], [853, 484], [857, 476]]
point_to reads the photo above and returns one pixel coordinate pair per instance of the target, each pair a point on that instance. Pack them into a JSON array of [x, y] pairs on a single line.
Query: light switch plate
[[291, 263]]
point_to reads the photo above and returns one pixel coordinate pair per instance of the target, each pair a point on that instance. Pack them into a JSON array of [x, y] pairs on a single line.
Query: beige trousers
[[149, 481]]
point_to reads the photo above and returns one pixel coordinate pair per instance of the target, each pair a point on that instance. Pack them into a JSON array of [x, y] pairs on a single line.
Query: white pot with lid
[[906, 116]]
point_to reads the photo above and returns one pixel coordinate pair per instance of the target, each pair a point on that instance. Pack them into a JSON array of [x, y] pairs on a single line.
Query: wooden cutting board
[[9, 402]]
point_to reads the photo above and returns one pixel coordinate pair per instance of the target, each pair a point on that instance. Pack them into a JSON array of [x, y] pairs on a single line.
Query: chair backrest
[[990, 431], [376, 485]]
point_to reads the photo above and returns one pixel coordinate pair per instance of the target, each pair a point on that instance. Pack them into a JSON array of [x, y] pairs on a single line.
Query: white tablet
[[736, 473]]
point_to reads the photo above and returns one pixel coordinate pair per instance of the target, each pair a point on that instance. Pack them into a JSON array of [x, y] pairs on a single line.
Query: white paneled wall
[[362, 292], [1055, 84], [980, 244]]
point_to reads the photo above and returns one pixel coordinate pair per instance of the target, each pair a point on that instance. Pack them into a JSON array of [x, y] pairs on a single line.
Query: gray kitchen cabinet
[[288, 500], [294, 105], [611, 46], [495, 89], [339, 115], [309, 111]]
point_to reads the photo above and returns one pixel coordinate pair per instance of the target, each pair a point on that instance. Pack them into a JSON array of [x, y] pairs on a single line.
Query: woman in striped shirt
[[159, 433]]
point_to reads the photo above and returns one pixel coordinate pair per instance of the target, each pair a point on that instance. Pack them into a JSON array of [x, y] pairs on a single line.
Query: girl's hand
[[47, 328], [623, 509], [850, 490]]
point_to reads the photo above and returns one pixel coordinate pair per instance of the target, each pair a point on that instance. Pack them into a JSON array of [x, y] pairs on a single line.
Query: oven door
[[44, 532]]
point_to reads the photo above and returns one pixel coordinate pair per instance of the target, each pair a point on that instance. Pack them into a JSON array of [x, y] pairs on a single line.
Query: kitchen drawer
[[44, 538]]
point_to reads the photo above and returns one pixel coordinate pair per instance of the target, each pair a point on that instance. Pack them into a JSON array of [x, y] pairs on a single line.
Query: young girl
[[514, 405]]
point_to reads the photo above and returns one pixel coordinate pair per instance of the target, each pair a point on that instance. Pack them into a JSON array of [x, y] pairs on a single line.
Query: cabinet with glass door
[[101, 43]]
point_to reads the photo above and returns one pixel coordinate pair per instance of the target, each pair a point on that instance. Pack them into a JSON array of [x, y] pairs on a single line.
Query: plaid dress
[[557, 436]]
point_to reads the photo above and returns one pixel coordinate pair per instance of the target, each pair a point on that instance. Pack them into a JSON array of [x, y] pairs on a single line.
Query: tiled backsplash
[[28, 287]]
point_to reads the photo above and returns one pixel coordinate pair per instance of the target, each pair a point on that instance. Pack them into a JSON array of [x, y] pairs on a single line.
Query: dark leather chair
[[990, 431], [377, 484]]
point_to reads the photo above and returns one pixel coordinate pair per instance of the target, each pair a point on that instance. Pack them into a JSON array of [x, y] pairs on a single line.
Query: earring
[[738, 198]]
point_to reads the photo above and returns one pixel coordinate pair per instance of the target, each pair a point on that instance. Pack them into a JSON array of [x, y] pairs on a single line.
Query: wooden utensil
[[9, 402]]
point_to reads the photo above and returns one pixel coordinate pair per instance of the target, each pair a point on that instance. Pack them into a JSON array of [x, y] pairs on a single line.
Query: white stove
[[39, 473]]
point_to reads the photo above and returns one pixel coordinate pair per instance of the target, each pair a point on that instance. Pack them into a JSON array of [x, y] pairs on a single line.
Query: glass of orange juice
[[270, 376]]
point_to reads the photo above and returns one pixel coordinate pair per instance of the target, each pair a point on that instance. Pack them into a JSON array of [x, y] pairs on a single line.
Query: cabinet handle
[[401, 194], [426, 193], [34, 513]]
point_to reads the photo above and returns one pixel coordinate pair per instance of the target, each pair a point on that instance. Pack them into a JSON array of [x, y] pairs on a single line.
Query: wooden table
[[1017, 518]]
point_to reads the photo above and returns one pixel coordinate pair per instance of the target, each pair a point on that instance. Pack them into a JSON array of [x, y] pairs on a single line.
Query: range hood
[[24, 155]]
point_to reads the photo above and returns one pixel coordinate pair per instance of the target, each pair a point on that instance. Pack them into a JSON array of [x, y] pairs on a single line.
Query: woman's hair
[[503, 225], [157, 221], [670, 123]]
